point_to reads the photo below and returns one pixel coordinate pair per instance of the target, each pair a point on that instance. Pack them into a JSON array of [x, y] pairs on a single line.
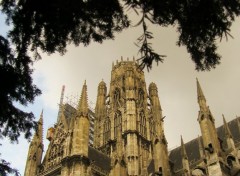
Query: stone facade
[[129, 137]]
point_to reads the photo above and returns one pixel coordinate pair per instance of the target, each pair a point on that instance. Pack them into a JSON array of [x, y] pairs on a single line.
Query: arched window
[[106, 131], [117, 123]]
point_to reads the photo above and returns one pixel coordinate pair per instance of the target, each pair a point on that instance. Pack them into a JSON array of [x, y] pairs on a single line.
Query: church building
[[124, 135]]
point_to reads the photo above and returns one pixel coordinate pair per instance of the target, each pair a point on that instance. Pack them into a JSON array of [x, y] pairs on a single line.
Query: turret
[[160, 151], [35, 150], [207, 124], [100, 114], [185, 162]]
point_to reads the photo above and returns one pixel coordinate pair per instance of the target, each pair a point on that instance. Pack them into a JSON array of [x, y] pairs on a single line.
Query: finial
[[133, 58], [85, 82], [127, 59], [121, 58]]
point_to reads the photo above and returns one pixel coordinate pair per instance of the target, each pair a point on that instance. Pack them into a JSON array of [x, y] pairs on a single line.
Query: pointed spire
[[200, 92], [40, 126], [201, 98], [83, 102], [39, 132], [183, 149], [226, 128], [60, 111]]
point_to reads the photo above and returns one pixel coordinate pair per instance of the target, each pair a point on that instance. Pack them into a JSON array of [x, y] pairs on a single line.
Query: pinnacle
[[83, 102], [201, 98], [183, 149], [227, 130], [199, 91]]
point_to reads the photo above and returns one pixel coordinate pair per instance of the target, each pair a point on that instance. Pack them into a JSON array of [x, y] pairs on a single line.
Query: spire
[[39, 133], [60, 111], [83, 102], [40, 127], [199, 91], [183, 149], [226, 128], [185, 162], [201, 97]]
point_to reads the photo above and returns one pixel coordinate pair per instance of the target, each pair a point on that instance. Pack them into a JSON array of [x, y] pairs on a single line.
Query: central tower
[[129, 123]]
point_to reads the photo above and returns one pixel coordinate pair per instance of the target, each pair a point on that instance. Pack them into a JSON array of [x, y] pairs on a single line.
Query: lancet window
[[152, 128], [116, 97], [117, 123], [143, 127], [140, 97], [107, 130]]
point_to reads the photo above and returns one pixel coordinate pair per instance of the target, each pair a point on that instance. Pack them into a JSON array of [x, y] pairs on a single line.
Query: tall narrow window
[[107, 131], [117, 124], [116, 98], [140, 97], [152, 128], [143, 128]]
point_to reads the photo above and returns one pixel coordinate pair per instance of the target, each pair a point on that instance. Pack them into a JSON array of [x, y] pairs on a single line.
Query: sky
[[175, 79]]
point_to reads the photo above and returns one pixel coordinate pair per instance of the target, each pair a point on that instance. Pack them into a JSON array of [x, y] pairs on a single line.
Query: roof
[[99, 159], [192, 147]]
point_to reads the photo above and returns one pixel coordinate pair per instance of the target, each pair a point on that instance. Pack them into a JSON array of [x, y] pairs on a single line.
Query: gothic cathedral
[[124, 136]]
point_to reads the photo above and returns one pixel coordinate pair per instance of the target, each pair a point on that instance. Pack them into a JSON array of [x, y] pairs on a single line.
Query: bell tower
[[122, 122]]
